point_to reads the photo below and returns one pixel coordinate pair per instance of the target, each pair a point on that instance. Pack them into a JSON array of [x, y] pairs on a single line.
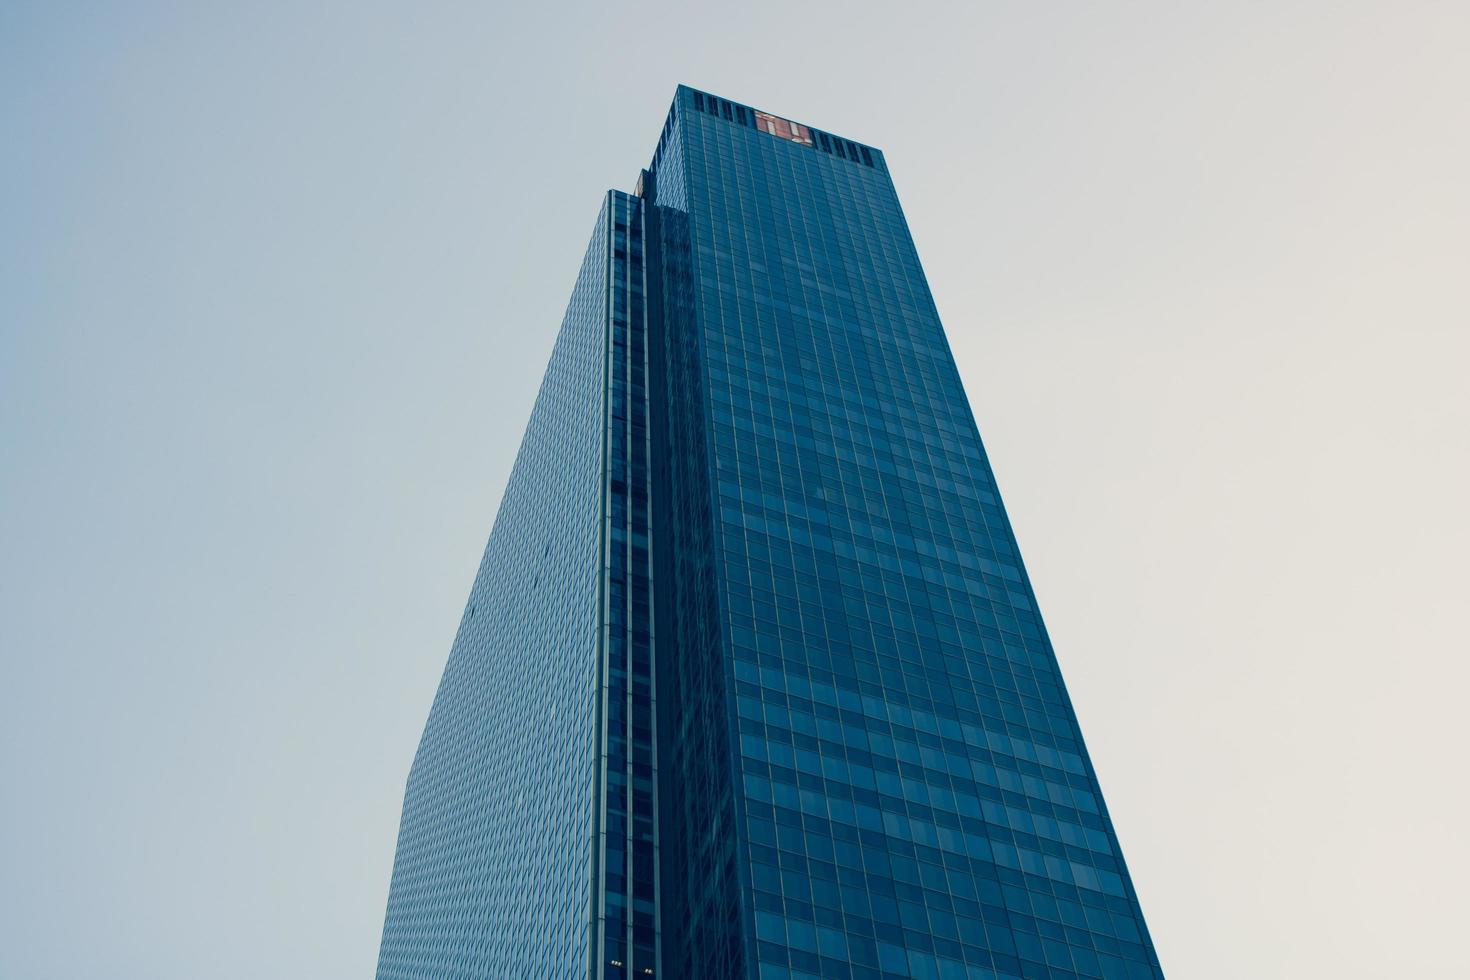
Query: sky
[[278, 282]]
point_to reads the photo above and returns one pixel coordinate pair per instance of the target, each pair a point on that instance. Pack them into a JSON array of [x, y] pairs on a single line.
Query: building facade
[[751, 681]]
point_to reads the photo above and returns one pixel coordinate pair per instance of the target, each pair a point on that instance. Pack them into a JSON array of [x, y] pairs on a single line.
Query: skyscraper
[[751, 681]]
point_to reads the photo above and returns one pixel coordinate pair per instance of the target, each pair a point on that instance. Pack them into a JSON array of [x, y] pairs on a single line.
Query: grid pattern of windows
[[751, 682], [912, 795], [628, 838], [700, 857], [491, 876]]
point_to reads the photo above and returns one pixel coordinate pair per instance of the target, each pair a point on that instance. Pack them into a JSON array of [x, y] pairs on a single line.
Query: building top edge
[[770, 122]]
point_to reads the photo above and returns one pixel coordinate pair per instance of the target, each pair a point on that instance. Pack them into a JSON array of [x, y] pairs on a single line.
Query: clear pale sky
[[278, 282]]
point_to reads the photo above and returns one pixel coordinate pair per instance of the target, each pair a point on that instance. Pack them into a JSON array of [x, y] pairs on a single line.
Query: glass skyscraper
[[751, 681]]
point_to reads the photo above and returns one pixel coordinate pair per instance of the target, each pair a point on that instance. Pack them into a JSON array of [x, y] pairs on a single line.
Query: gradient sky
[[278, 283]]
